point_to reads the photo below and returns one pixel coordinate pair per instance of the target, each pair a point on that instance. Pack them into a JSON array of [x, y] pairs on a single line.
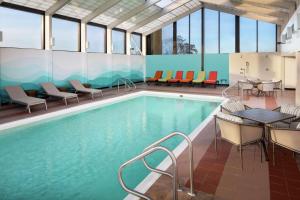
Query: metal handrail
[[141, 156], [127, 83], [191, 158]]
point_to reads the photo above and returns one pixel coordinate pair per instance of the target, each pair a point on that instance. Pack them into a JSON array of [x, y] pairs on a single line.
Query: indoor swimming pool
[[76, 156]]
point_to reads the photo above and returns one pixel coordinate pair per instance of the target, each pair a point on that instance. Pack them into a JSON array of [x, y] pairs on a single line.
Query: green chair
[[168, 77], [200, 78]]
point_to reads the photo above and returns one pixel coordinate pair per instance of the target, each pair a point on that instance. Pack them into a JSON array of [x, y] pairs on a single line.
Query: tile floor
[[217, 175]]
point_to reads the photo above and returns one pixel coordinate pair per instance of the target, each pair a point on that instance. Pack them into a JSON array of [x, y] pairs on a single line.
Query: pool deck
[[217, 175]]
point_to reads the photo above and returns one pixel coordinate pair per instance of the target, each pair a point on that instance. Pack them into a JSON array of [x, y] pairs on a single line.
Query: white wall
[[298, 80], [265, 66], [292, 45]]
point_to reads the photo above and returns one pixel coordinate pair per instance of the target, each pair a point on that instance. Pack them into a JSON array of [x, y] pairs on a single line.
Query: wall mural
[[28, 68]]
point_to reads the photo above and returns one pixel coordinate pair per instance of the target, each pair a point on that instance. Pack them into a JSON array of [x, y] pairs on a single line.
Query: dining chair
[[288, 138], [235, 131], [245, 86], [266, 88], [233, 106], [278, 87]]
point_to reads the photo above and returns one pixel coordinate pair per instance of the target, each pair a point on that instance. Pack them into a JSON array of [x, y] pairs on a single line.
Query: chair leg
[[28, 108], [241, 155], [66, 103], [216, 134], [46, 106], [261, 152], [273, 152], [77, 99]]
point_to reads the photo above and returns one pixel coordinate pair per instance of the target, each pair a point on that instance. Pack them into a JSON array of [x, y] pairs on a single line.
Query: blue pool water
[[77, 157]]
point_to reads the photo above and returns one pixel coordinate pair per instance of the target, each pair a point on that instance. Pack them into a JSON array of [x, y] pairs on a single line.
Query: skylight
[[164, 3]]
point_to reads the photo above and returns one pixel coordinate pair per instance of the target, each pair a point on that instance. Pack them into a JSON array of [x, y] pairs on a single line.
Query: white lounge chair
[[80, 88], [17, 95], [52, 90]]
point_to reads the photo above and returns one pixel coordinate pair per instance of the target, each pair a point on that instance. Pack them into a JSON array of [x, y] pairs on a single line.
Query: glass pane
[[247, 35], [211, 31], [118, 42], [136, 47], [20, 29], [266, 37], [227, 33], [196, 32], [167, 39], [65, 34], [96, 39], [183, 46]]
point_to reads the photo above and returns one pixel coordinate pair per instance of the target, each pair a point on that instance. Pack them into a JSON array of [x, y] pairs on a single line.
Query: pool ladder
[[128, 84], [174, 175]]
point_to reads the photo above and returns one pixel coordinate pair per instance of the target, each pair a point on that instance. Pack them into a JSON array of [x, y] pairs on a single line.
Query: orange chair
[[157, 76], [189, 77], [212, 78], [178, 77]]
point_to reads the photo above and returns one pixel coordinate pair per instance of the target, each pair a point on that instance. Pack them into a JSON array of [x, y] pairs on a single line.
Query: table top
[[262, 115]]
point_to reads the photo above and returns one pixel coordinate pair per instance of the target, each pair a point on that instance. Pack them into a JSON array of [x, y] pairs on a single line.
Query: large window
[[247, 35], [136, 44], [227, 33], [167, 39], [183, 43], [211, 31], [65, 34], [118, 41], [266, 37], [96, 37], [195, 26], [21, 29]]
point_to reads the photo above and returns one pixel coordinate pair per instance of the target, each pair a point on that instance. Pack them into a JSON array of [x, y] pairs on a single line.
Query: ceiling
[[146, 16]]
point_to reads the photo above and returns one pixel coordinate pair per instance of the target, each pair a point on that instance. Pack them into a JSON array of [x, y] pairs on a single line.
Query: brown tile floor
[[217, 176]]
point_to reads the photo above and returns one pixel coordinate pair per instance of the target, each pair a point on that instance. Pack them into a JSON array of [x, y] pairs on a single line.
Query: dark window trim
[[175, 37], [125, 45], [202, 39], [276, 38], [219, 32], [66, 18], [237, 34], [22, 8], [105, 35], [189, 34]]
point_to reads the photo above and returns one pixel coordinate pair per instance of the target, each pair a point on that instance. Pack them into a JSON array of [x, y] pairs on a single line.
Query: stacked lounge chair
[[212, 78], [157, 76], [177, 78], [189, 77], [200, 78], [168, 77], [17, 95], [80, 88], [51, 90]]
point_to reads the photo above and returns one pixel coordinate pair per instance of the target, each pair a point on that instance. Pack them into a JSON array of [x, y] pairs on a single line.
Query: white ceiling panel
[[36, 4]]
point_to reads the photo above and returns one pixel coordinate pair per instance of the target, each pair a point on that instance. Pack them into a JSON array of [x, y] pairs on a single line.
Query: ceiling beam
[[56, 6], [172, 20], [101, 9], [132, 13], [234, 11], [266, 6], [159, 14]]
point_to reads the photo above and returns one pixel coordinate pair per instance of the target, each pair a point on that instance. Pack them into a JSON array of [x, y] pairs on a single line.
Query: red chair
[[189, 77], [158, 75], [212, 78], [178, 77]]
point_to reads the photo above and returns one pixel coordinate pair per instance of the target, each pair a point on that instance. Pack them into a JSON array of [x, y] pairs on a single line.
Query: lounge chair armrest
[[277, 109], [247, 107], [296, 119], [223, 108]]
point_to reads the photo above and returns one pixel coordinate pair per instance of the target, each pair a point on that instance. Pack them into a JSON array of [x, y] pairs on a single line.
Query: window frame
[[28, 10], [105, 36], [141, 41], [125, 45], [71, 19]]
